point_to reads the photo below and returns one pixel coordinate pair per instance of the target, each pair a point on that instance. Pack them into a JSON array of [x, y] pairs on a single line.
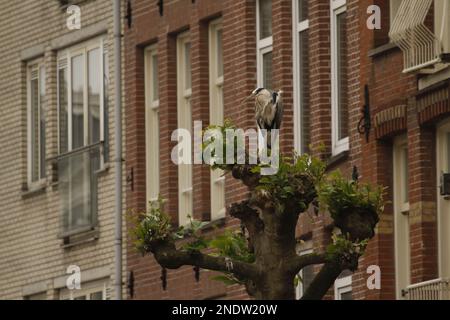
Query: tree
[[263, 257]]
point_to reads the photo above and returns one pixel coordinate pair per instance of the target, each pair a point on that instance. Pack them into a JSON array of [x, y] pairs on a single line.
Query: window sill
[[337, 159], [79, 237], [383, 49], [34, 190], [103, 170]]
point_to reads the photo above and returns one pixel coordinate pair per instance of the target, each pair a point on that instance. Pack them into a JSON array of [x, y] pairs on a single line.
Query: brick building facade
[[189, 61], [56, 197], [326, 59]]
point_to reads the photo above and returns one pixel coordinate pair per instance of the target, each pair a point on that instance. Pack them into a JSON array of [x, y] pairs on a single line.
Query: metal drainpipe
[[118, 155]]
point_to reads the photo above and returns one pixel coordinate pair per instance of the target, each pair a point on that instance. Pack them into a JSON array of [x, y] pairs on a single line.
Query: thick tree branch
[[299, 262], [323, 281], [169, 257]]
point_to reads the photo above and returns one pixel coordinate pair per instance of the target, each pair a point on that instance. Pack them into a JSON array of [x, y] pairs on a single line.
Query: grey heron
[[268, 110]]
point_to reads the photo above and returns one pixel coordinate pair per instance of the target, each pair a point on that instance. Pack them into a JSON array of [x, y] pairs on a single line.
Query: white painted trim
[[151, 127], [401, 218], [216, 115], [297, 29], [342, 285], [263, 46], [443, 221], [184, 118], [337, 7], [34, 66]]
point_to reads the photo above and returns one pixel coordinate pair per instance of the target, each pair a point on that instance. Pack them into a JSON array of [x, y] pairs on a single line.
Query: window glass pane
[[34, 87], [265, 18], [307, 277], [80, 298], [342, 76], [267, 70], [155, 78], [63, 110], [346, 296], [187, 64], [405, 174], [94, 88], [219, 53], [74, 174], [97, 296], [304, 90], [77, 102], [302, 10], [42, 121]]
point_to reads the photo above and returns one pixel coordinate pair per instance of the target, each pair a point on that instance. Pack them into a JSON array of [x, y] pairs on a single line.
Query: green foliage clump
[[296, 178], [151, 226], [342, 196], [232, 244], [345, 250]]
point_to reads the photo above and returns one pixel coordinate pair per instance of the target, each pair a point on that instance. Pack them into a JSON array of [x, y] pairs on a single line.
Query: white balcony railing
[[438, 289], [425, 48]]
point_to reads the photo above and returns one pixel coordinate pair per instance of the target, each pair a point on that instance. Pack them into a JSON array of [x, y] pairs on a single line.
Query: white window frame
[[35, 66], [86, 291], [342, 285], [298, 28], [443, 218], [216, 115], [401, 219], [184, 112], [67, 55], [338, 145], [299, 288], [263, 46], [151, 126]]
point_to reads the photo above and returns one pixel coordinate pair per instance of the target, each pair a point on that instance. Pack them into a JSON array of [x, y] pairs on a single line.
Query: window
[[343, 288], [306, 275], [152, 122], [91, 291], [264, 42], [301, 75], [83, 102], [339, 79], [216, 112], [401, 218], [185, 201], [36, 123]]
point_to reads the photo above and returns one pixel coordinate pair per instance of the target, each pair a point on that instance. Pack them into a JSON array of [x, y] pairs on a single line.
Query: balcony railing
[[78, 187], [438, 289]]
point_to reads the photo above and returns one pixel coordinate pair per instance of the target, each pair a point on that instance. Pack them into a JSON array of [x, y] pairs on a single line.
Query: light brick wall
[[30, 250]]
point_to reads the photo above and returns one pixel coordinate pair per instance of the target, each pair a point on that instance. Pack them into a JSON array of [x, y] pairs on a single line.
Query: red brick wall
[[388, 88]]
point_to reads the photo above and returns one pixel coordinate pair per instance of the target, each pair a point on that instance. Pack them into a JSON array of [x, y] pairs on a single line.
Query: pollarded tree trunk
[[270, 218]]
